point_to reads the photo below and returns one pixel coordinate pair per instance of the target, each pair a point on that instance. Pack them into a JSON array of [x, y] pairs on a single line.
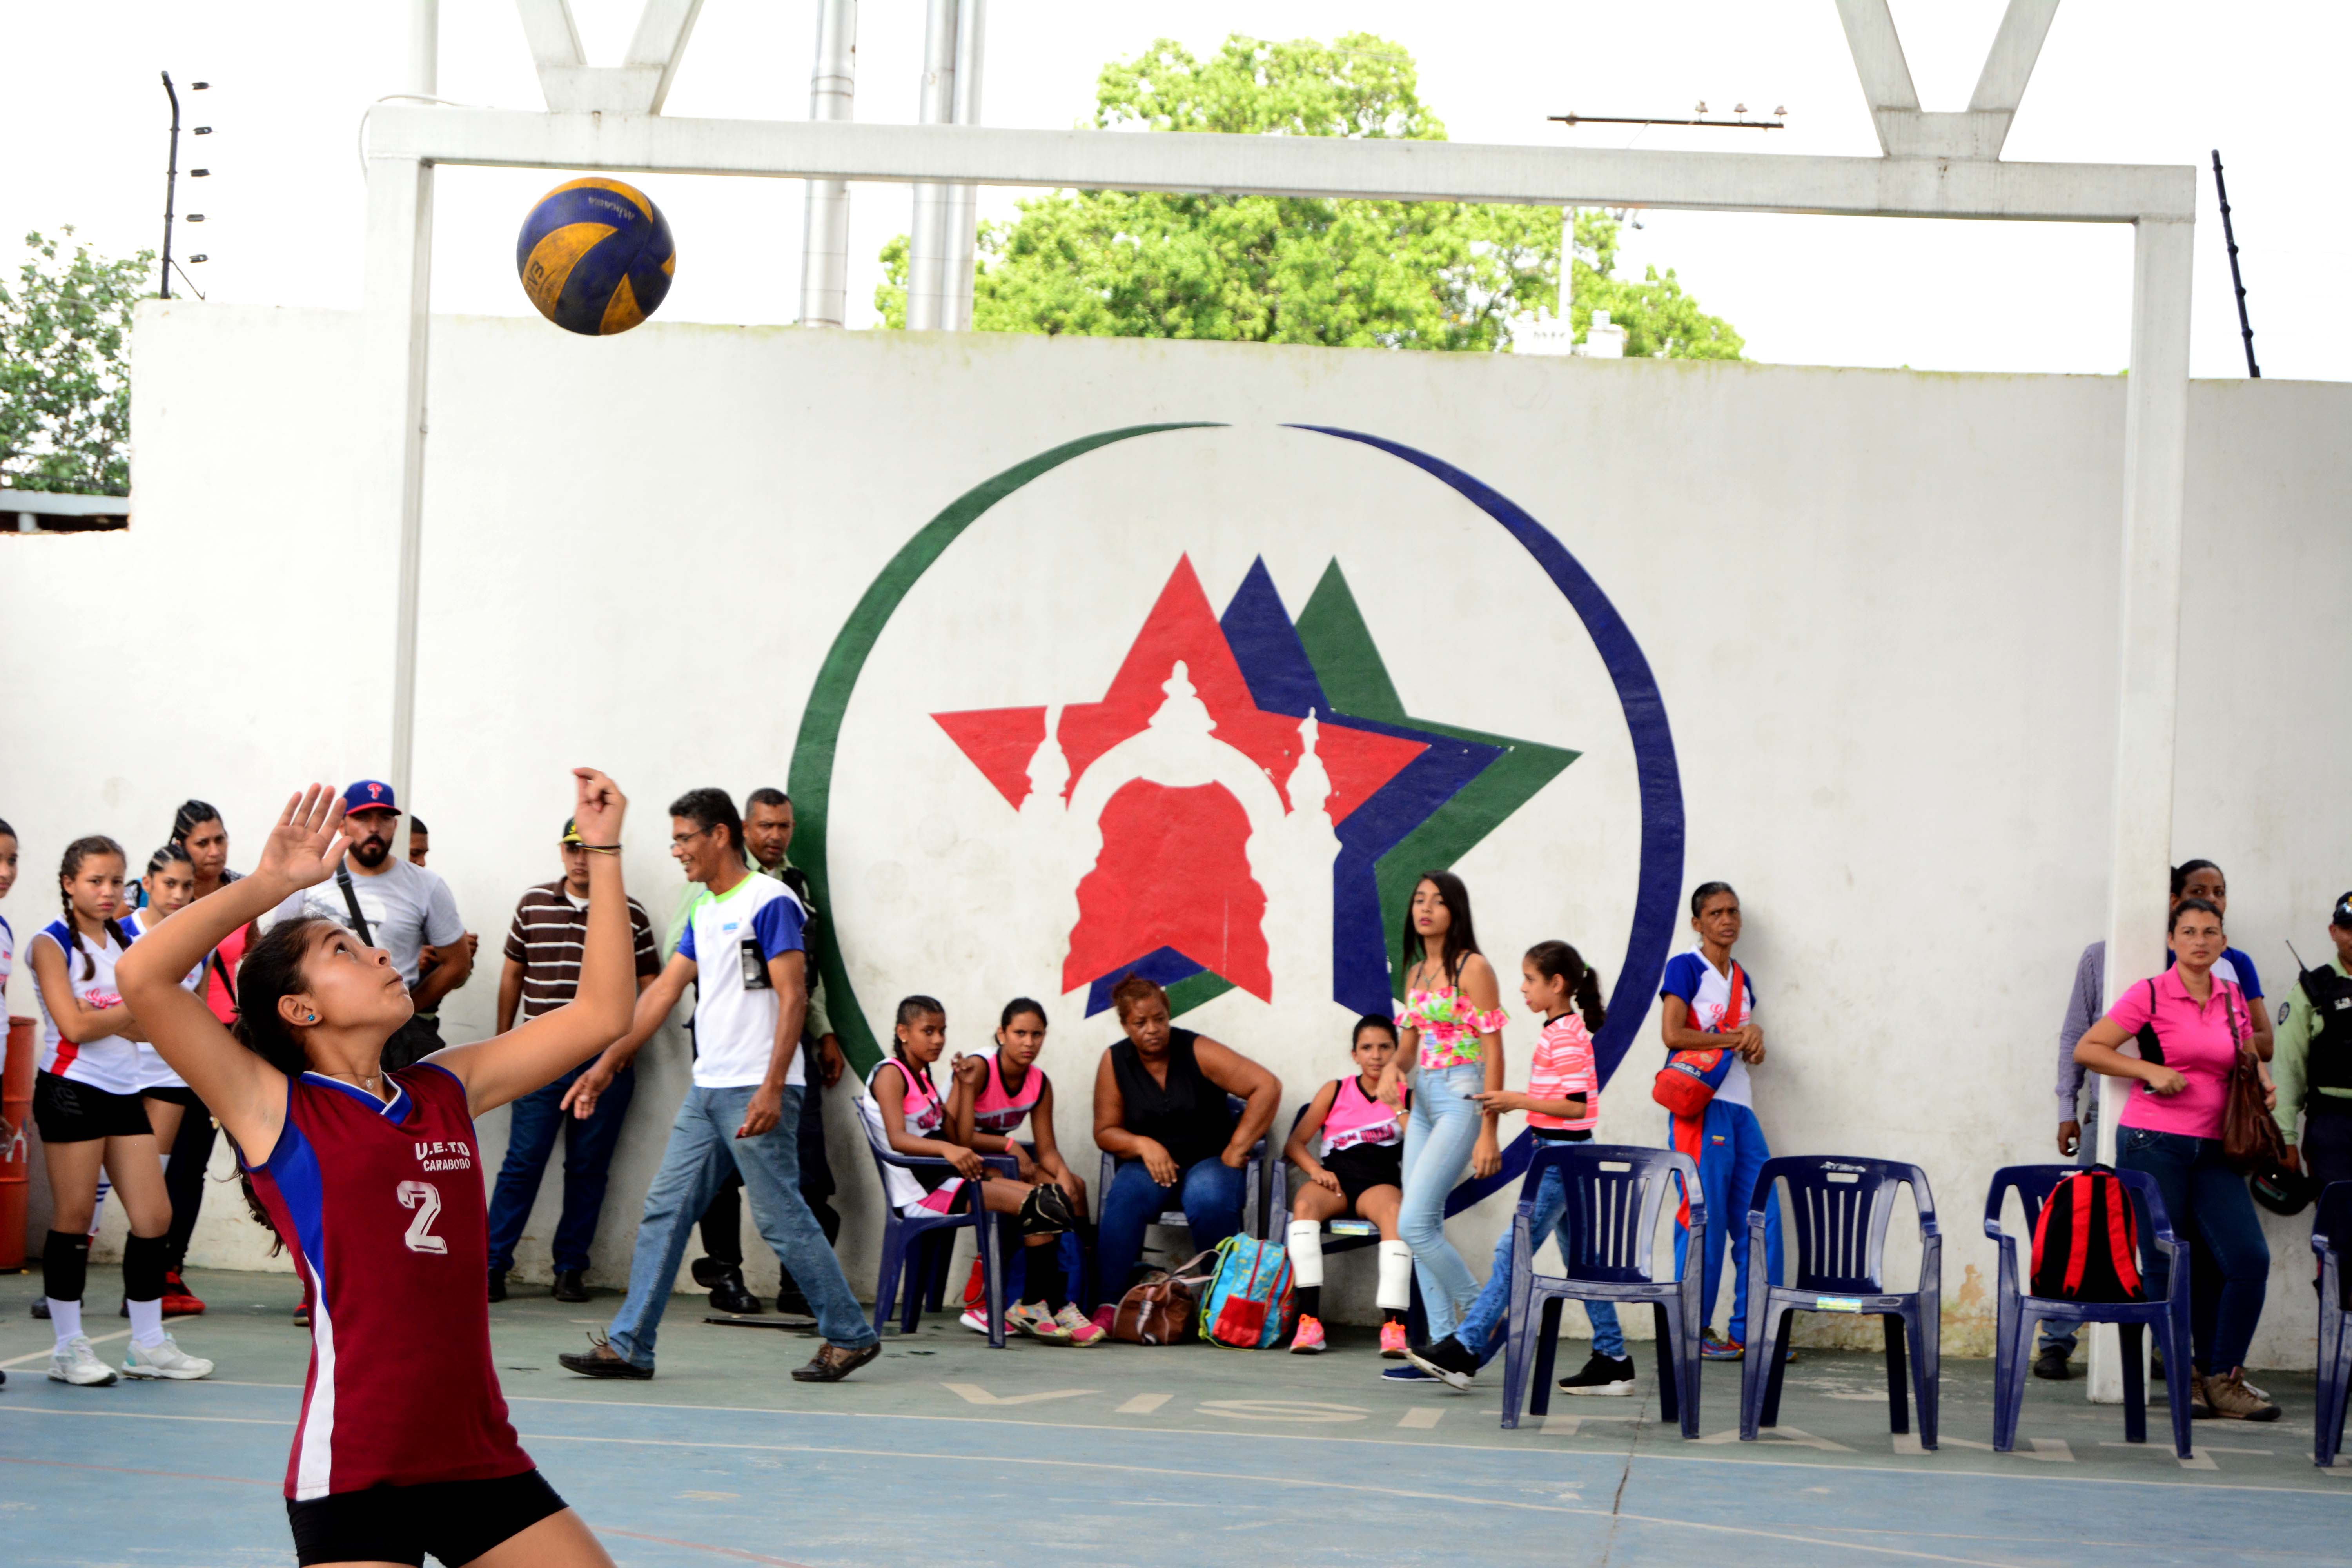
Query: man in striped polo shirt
[[542, 971]]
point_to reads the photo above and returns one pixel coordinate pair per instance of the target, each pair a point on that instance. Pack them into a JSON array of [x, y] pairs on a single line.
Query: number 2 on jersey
[[425, 1199]]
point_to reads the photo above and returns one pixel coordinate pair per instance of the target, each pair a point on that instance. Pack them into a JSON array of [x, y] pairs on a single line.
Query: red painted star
[[1173, 872]]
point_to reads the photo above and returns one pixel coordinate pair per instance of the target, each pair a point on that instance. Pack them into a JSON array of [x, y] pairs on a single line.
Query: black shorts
[[180, 1095], [1361, 1167], [456, 1521], [70, 1112]]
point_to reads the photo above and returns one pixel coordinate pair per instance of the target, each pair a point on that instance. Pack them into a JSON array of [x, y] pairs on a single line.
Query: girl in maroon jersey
[[372, 1180]]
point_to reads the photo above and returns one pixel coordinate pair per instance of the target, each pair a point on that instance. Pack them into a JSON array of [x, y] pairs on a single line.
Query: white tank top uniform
[[111, 1062], [154, 1072], [1000, 1110], [925, 1115]]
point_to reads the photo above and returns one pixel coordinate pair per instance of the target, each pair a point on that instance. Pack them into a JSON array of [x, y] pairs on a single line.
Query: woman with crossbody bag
[[2192, 1028]]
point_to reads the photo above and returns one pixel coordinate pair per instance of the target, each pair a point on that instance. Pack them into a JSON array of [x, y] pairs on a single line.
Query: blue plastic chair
[[1254, 1195], [2019, 1312], [1615, 1194], [915, 1247], [2331, 1231], [1839, 1208]]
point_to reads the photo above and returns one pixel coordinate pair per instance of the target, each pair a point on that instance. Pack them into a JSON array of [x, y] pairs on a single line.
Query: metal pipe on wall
[[824, 233], [927, 241], [963, 207], [424, 47]]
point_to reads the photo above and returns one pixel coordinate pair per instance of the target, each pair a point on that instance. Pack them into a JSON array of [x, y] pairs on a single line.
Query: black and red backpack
[[2087, 1241]]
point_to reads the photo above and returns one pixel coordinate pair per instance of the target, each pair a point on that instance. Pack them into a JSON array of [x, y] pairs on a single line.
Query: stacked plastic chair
[[1839, 1207]]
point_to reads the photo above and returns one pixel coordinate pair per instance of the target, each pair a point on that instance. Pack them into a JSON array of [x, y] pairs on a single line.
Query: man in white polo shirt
[[742, 949]]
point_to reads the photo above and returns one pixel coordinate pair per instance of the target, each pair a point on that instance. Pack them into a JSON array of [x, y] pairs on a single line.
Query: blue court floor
[[944, 1452]]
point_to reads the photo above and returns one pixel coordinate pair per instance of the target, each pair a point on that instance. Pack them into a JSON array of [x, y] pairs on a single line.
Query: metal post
[[2155, 468], [824, 233], [2229, 237], [171, 190], [927, 242], [963, 209], [424, 47]]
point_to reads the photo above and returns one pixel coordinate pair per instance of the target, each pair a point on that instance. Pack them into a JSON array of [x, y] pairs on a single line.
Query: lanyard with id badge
[[755, 967]]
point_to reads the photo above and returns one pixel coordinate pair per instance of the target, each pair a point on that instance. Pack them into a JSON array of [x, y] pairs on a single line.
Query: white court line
[[1426, 1417], [1143, 1405], [44, 1355], [1230, 1433]]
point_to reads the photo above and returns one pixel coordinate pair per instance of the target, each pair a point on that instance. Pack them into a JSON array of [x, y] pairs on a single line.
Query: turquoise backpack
[[1247, 1305]]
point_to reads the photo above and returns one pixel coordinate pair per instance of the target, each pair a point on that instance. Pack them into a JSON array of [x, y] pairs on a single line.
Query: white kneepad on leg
[[1396, 1277], [1306, 1253]]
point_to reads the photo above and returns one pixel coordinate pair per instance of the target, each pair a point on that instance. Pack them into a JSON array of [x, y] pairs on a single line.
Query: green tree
[[65, 384], [1424, 274], [1659, 319]]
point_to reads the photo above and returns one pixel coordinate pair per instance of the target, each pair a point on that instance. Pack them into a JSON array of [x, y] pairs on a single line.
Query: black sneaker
[[498, 1284], [601, 1360], [1449, 1361], [791, 1303], [41, 1308], [2051, 1364], [833, 1363], [1608, 1376], [569, 1286]]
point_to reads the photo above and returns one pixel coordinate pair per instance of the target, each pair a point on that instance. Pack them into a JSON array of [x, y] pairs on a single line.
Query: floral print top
[[1449, 1025]]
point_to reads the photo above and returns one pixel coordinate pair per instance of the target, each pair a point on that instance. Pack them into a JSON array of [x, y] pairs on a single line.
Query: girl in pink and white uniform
[[1349, 1145], [999, 1086], [904, 1108]]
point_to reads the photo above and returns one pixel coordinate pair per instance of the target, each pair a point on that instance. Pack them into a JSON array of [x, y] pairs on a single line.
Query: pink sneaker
[[1307, 1339], [1078, 1329], [1105, 1315], [1393, 1341]]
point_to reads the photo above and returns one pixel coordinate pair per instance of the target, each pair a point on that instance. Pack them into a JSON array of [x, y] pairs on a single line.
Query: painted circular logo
[[1204, 707]]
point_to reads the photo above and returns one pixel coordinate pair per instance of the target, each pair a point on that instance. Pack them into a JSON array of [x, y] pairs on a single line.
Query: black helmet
[[2281, 1190]]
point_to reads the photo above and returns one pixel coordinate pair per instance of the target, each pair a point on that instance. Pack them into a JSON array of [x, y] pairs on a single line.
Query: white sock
[[147, 1322], [1395, 1292], [1306, 1253], [167, 1162], [65, 1317], [98, 1209]]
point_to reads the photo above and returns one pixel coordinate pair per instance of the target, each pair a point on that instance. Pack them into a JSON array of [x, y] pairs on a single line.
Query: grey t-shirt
[[407, 906]]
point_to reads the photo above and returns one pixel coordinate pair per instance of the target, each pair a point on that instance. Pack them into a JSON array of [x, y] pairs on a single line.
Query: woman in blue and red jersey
[[374, 1180]]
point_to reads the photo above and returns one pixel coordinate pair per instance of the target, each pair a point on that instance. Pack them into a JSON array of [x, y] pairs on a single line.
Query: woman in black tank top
[[1162, 1111]]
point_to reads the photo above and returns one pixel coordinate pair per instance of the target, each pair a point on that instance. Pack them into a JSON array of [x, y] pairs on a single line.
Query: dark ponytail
[[79, 850], [1558, 961], [909, 1009], [271, 970], [2188, 869]]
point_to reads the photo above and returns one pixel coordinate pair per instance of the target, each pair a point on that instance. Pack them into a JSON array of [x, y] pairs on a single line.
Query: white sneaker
[[975, 1318], [166, 1359], [74, 1361]]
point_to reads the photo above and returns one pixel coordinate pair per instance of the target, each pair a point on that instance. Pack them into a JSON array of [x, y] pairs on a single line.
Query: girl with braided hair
[[87, 1103]]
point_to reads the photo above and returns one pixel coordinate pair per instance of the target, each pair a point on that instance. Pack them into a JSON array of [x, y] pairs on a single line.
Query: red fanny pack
[[1687, 1084]]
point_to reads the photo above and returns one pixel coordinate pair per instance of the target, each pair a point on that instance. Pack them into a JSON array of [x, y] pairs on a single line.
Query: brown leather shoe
[[601, 1360], [833, 1363], [2231, 1400]]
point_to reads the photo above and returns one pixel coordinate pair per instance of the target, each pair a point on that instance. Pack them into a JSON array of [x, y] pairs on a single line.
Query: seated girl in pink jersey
[[372, 1180], [906, 1110], [998, 1088], [1349, 1145]]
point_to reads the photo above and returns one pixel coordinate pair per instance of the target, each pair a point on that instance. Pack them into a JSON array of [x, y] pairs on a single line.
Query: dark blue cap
[[369, 794]]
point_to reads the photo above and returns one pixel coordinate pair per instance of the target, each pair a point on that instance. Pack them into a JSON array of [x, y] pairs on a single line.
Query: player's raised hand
[[598, 808], [308, 843]]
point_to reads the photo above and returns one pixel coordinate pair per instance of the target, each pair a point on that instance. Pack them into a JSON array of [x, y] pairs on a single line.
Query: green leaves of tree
[[65, 384], [1354, 274]]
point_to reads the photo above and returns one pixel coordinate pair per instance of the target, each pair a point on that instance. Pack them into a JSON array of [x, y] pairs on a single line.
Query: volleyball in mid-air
[[596, 257]]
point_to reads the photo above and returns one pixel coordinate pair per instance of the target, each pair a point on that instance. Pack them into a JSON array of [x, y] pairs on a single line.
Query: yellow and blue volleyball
[[596, 257]]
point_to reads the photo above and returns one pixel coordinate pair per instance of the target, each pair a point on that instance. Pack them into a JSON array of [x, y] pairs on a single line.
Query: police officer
[[2313, 1061]]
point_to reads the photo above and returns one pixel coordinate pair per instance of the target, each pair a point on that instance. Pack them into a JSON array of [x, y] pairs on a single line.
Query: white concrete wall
[[1881, 608]]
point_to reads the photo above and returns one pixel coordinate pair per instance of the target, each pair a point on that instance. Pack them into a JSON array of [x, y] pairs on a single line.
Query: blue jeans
[[702, 1147], [1438, 1138], [587, 1160], [1485, 1326], [2061, 1335], [1730, 1153], [1211, 1194], [2207, 1201]]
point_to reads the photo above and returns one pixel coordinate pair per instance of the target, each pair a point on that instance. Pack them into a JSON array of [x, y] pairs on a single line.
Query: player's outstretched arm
[[246, 1093], [507, 1066]]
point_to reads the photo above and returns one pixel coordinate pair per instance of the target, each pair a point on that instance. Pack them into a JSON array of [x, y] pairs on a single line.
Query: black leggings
[[184, 1180]]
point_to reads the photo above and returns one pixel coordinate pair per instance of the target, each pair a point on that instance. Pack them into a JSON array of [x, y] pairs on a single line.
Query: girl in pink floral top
[[1452, 1023]]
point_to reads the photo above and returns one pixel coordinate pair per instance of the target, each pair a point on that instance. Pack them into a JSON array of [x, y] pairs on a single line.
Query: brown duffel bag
[[1165, 1309]]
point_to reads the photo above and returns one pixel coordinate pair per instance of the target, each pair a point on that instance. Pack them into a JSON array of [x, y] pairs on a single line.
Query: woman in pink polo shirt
[[2190, 1025]]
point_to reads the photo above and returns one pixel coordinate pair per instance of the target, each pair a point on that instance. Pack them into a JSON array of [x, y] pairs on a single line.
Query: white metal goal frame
[[1944, 164]]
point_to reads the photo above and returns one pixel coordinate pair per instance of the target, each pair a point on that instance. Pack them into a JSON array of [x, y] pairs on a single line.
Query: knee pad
[[143, 1267], [64, 1265], [1306, 1253], [1396, 1277]]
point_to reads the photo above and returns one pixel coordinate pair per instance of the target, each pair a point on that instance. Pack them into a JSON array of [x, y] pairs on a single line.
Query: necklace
[[363, 1080]]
